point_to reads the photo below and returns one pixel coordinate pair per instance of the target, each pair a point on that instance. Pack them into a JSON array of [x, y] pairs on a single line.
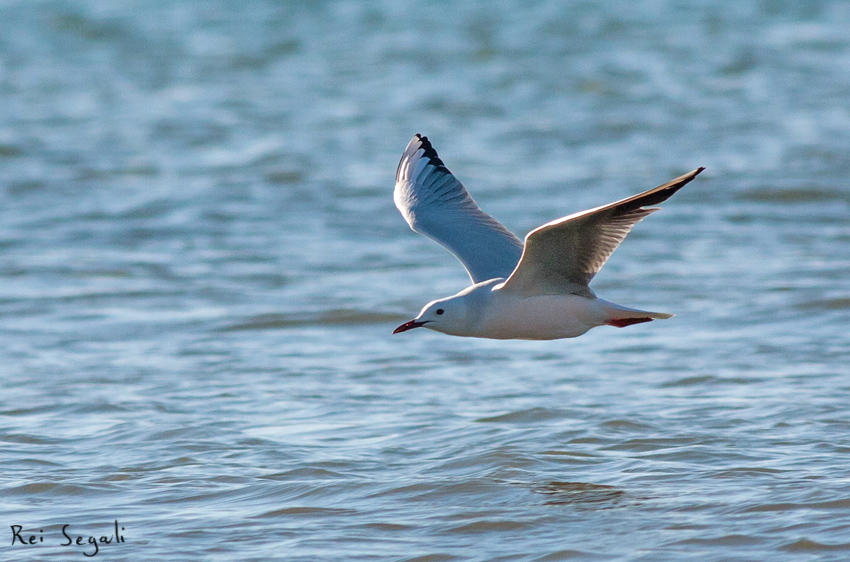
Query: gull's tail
[[621, 316]]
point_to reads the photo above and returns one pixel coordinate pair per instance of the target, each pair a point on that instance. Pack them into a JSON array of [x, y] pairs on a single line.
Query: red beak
[[408, 326]]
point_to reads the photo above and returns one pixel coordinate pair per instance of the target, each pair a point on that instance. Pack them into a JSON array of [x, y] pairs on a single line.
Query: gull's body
[[536, 290], [484, 311]]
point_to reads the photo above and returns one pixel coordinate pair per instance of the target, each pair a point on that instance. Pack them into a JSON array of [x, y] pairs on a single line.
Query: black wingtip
[[416, 143], [664, 191], [656, 195], [430, 153]]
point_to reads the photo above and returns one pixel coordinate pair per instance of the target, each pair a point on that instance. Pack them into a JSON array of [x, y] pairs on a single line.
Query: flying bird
[[532, 290]]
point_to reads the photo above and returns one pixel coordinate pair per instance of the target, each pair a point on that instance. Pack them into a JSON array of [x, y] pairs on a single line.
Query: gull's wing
[[562, 256], [435, 203]]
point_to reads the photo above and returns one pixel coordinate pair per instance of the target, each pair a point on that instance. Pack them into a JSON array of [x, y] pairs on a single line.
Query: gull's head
[[444, 315]]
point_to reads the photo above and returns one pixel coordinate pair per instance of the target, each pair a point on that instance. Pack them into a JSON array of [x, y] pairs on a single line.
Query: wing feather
[[435, 203], [562, 256]]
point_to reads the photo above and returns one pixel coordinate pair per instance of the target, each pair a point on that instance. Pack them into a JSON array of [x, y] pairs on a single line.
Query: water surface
[[201, 264]]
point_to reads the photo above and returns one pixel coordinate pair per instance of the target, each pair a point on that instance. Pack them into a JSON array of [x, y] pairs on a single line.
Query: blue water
[[201, 265]]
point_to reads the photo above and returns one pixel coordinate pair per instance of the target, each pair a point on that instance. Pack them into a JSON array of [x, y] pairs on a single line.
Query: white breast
[[544, 317]]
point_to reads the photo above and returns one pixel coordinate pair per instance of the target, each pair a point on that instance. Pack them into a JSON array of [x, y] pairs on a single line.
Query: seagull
[[536, 290]]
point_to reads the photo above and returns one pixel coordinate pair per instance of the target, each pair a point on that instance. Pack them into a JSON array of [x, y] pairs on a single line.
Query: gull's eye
[[440, 311]]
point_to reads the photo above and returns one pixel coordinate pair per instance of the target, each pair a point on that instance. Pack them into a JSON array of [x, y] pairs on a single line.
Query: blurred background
[[201, 264]]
